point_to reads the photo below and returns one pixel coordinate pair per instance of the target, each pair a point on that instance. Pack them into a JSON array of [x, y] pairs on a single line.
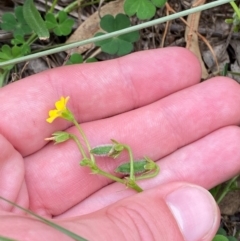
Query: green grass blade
[[3, 76], [34, 20], [6, 239], [52, 224], [116, 33]]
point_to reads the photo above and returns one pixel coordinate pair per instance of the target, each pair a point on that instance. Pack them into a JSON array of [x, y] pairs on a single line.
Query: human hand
[[154, 104]]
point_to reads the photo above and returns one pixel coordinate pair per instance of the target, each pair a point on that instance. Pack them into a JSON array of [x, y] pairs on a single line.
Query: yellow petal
[[60, 108], [66, 100], [53, 114], [60, 104], [50, 119]]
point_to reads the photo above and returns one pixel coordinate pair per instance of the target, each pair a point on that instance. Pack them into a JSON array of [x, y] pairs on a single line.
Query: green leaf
[[50, 21], [220, 237], [34, 20], [109, 24], [61, 26], [78, 59], [145, 9], [159, 3], [21, 42], [8, 53], [235, 21], [119, 45], [75, 59], [15, 22], [231, 238], [91, 60], [222, 231]]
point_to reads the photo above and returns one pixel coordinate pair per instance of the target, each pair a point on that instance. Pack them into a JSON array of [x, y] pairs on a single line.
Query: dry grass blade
[[191, 37], [199, 35]]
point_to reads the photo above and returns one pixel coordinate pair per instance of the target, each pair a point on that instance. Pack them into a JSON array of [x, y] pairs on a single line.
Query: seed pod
[[139, 167], [102, 150]]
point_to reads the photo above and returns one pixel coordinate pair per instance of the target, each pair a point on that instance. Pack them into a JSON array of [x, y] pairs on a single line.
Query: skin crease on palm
[[150, 100]]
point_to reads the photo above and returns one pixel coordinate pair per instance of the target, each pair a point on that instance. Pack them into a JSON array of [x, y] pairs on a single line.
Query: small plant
[[27, 26], [132, 170], [144, 9], [235, 20], [219, 192], [222, 236], [122, 44], [61, 25], [15, 23]]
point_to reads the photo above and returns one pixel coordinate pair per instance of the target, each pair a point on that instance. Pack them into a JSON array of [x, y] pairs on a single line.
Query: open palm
[[150, 100]]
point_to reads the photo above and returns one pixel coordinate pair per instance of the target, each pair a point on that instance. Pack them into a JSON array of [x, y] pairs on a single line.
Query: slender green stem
[[71, 6], [6, 239], [234, 73], [132, 172], [89, 4], [78, 3], [48, 222], [117, 179], [85, 139], [235, 8], [116, 33], [110, 176], [53, 6], [3, 76], [215, 191], [79, 145], [226, 189], [32, 39], [149, 174]]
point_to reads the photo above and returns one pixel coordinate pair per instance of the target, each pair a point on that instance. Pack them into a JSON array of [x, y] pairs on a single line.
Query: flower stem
[[149, 175], [53, 6], [117, 179], [226, 189], [235, 8], [79, 145], [85, 140], [132, 172]]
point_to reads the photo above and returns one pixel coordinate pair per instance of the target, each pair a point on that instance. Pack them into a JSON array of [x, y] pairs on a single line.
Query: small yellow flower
[[61, 111]]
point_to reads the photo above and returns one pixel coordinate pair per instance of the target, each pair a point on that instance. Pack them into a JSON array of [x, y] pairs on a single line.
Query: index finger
[[97, 90]]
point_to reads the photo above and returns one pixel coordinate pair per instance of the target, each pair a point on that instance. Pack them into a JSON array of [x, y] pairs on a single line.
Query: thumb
[[175, 211]]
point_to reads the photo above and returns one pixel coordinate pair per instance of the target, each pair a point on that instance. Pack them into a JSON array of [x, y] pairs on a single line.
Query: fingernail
[[194, 210]]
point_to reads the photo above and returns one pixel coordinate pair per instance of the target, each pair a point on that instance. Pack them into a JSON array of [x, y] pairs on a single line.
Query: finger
[[97, 90], [152, 130], [170, 212], [11, 175], [22, 199], [207, 162]]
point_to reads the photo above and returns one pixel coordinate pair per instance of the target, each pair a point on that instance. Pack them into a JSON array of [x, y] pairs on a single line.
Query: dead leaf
[[91, 26], [222, 57], [191, 37]]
